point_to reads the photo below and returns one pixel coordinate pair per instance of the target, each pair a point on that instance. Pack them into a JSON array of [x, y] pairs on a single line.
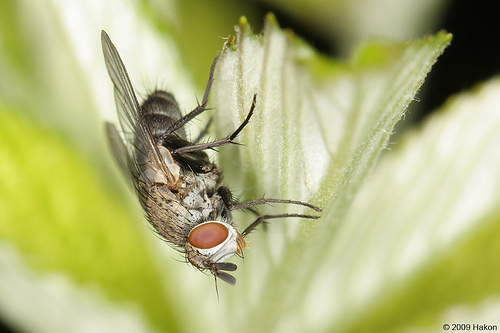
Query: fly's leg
[[231, 205], [263, 218], [222, 142], [263, 201], [200, 108], [227, 196]]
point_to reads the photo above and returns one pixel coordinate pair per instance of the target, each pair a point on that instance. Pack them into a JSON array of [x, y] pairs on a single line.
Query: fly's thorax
[[196, 161], [173, 168], [201, 189], [166, 171], [213, 242], [175, 199], [170, 218]]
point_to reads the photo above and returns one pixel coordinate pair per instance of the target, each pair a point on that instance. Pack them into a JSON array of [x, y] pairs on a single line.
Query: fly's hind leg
[[200, 108], [222, 142]]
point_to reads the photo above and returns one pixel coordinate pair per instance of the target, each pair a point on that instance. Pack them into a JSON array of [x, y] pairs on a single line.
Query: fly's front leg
[[226, 195], [263, 201], [231, 205], [263, 218]]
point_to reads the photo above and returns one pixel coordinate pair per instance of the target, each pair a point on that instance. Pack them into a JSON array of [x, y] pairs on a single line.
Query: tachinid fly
[[178, 186]]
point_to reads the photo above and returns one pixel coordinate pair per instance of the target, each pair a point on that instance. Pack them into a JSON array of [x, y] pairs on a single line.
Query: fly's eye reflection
[[178, 186]]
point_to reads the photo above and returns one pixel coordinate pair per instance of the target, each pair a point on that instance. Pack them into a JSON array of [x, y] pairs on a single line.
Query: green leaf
[[62, 218], [425, 227], [318, 129]]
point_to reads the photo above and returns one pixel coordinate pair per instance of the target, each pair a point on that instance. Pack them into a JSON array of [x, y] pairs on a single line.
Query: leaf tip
[[271, 20], [243, 23], [445, 35]]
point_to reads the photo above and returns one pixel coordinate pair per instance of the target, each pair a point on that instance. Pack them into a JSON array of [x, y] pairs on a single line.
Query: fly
[[178, 186]]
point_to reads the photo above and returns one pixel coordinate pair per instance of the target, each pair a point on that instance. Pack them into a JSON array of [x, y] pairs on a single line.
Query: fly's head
[[210, 244]]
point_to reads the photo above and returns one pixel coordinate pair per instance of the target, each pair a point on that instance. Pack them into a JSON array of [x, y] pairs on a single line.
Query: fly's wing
[[119, 149], [137, 138]]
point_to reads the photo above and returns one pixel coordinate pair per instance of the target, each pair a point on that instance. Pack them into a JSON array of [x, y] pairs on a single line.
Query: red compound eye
[[208, 235]]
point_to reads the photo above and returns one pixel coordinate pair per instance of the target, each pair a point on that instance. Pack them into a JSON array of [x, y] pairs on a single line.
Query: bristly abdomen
[[159, 111]]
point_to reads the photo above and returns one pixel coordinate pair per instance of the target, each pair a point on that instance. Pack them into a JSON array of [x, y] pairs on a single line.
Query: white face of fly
[[210, 244]]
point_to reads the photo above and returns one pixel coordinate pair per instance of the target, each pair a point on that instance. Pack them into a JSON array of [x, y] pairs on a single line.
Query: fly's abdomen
[[159, 111]]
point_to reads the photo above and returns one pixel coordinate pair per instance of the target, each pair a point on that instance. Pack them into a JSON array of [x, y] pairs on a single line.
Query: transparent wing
[[137, 138], [119, 149]]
